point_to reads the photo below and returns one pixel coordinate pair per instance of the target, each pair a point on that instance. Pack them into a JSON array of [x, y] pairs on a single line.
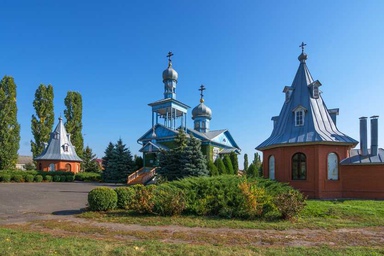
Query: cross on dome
[[302, 47], [202, 88], [169, 55]]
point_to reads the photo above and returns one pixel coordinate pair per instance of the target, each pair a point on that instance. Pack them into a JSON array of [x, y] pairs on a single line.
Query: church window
[[299, 166], [271, 165], [52, 167], [68, 167], [197, 125], [65, 147], [299, 117], [315, 92], [203, 125], [333, 166]]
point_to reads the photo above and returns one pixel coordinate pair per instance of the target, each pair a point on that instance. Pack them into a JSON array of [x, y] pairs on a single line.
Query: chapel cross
[[202, 88], [169, 55], [302, 46]]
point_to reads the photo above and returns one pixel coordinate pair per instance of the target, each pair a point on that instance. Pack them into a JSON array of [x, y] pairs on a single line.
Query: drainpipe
[[374, 135], [363, 136]]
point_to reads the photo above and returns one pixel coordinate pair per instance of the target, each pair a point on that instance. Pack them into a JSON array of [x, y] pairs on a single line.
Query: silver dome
[[170, 73], [201, 111]]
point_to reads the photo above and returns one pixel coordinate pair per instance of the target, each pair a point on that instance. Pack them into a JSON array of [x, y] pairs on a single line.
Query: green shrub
[[102, 199], [18, 178], [5, 177], [143, 199], [63, 178], [57, 178], [38, 178], [290, 204], [29, 178], [88, 176], [70, 178], [125, 197], [168, 201], [48, 178]]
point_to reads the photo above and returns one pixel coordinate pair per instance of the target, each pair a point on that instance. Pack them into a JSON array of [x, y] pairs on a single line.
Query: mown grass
[[316, 214], [18, 242]]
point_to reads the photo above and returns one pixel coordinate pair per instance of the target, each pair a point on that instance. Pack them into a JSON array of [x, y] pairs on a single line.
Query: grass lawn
[[348, 227]]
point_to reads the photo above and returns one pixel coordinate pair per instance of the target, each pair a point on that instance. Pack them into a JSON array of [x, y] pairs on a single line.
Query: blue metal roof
[[318, 126], [59, 146], [356, 157]]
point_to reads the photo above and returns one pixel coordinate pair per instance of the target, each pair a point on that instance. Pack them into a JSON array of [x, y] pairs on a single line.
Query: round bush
[[168, 201], [48, 178], [5, 178], [38, 178], [18, 178], [102, 199], [29, 178], [70, 178], [56, 178], [124, 197], [63, 178]]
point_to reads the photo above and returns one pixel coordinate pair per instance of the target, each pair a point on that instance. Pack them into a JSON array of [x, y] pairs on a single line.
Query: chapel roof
[[59, 146], [318, 126]]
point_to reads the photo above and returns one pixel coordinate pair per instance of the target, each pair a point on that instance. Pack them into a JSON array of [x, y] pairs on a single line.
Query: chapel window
[[271, 167], [299, 166], [333, 166], [299, 117]]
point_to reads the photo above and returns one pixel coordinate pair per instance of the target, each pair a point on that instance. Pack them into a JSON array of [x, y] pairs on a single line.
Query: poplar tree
[[42, 122], [245, 162], [235, 162], [9, 127], [74, 124]]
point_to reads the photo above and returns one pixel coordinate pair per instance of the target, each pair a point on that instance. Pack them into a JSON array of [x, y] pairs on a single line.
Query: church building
[[169, 115], [307, 150], [59, 153]]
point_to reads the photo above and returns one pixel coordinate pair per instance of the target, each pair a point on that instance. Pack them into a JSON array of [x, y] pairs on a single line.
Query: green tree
[[245, 163], [235, 162], [228, 164], [213, 171], [42, 122], [220, 166], [107, 155], [252, 171], [89, 161], [192, 160], [9, 127], [257, 163], [74, 124], [139, 162], [119, 165]]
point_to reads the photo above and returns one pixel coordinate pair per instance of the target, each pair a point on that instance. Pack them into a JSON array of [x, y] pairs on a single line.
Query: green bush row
[[225, 196], [88, 176], [35, 176]]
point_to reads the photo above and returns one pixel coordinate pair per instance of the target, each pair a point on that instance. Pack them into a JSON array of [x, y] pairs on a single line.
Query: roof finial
[[169, 55], [302, 47], [202, 88]]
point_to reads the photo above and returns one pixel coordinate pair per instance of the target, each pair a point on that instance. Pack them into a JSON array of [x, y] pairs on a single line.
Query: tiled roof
[[318, 125], [59, 146]]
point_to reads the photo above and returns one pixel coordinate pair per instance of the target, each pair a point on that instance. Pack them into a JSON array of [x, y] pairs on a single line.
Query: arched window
[[51, 167], [40, 167], [333, 166], [68, 167], [271, 164], [299, 167]]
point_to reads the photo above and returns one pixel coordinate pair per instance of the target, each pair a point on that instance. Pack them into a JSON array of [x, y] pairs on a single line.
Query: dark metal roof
[[356, 157], [59, 146], [318, 125]]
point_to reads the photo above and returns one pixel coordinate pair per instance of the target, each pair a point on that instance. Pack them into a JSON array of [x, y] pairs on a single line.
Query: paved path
[[23, 201]]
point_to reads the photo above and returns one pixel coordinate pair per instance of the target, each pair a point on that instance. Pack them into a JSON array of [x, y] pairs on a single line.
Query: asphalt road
[[25, 200]]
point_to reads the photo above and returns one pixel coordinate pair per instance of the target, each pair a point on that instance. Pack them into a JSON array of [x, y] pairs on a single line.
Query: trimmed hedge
[[102, 199], [124, 197], [29, 178], [48, 178], [5, 177], [88, 176], [38, 178], [18, 178]]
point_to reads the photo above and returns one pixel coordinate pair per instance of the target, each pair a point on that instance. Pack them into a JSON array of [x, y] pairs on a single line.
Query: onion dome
[[202, 110], [170, 73]]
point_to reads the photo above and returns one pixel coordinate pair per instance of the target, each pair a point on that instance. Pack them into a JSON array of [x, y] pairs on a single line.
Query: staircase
[[141, 176]]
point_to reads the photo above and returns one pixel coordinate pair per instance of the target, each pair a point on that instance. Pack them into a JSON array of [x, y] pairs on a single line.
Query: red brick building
[[307, 150]]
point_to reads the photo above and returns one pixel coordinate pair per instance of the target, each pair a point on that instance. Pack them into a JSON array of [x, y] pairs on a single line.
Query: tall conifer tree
[[74, 124], [228, 164], [9, 127], [235, 162], [246, 162], [192, 159], [42, 122]]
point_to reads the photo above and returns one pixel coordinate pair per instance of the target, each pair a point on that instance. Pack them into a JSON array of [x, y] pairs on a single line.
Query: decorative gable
[[314, 87]]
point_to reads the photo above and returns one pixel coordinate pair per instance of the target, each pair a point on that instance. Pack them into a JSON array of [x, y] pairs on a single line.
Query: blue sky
[[244, 52]]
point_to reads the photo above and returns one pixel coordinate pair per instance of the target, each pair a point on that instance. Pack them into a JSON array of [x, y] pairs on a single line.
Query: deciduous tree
[[42, 122], [74, 124], [9, 127]]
